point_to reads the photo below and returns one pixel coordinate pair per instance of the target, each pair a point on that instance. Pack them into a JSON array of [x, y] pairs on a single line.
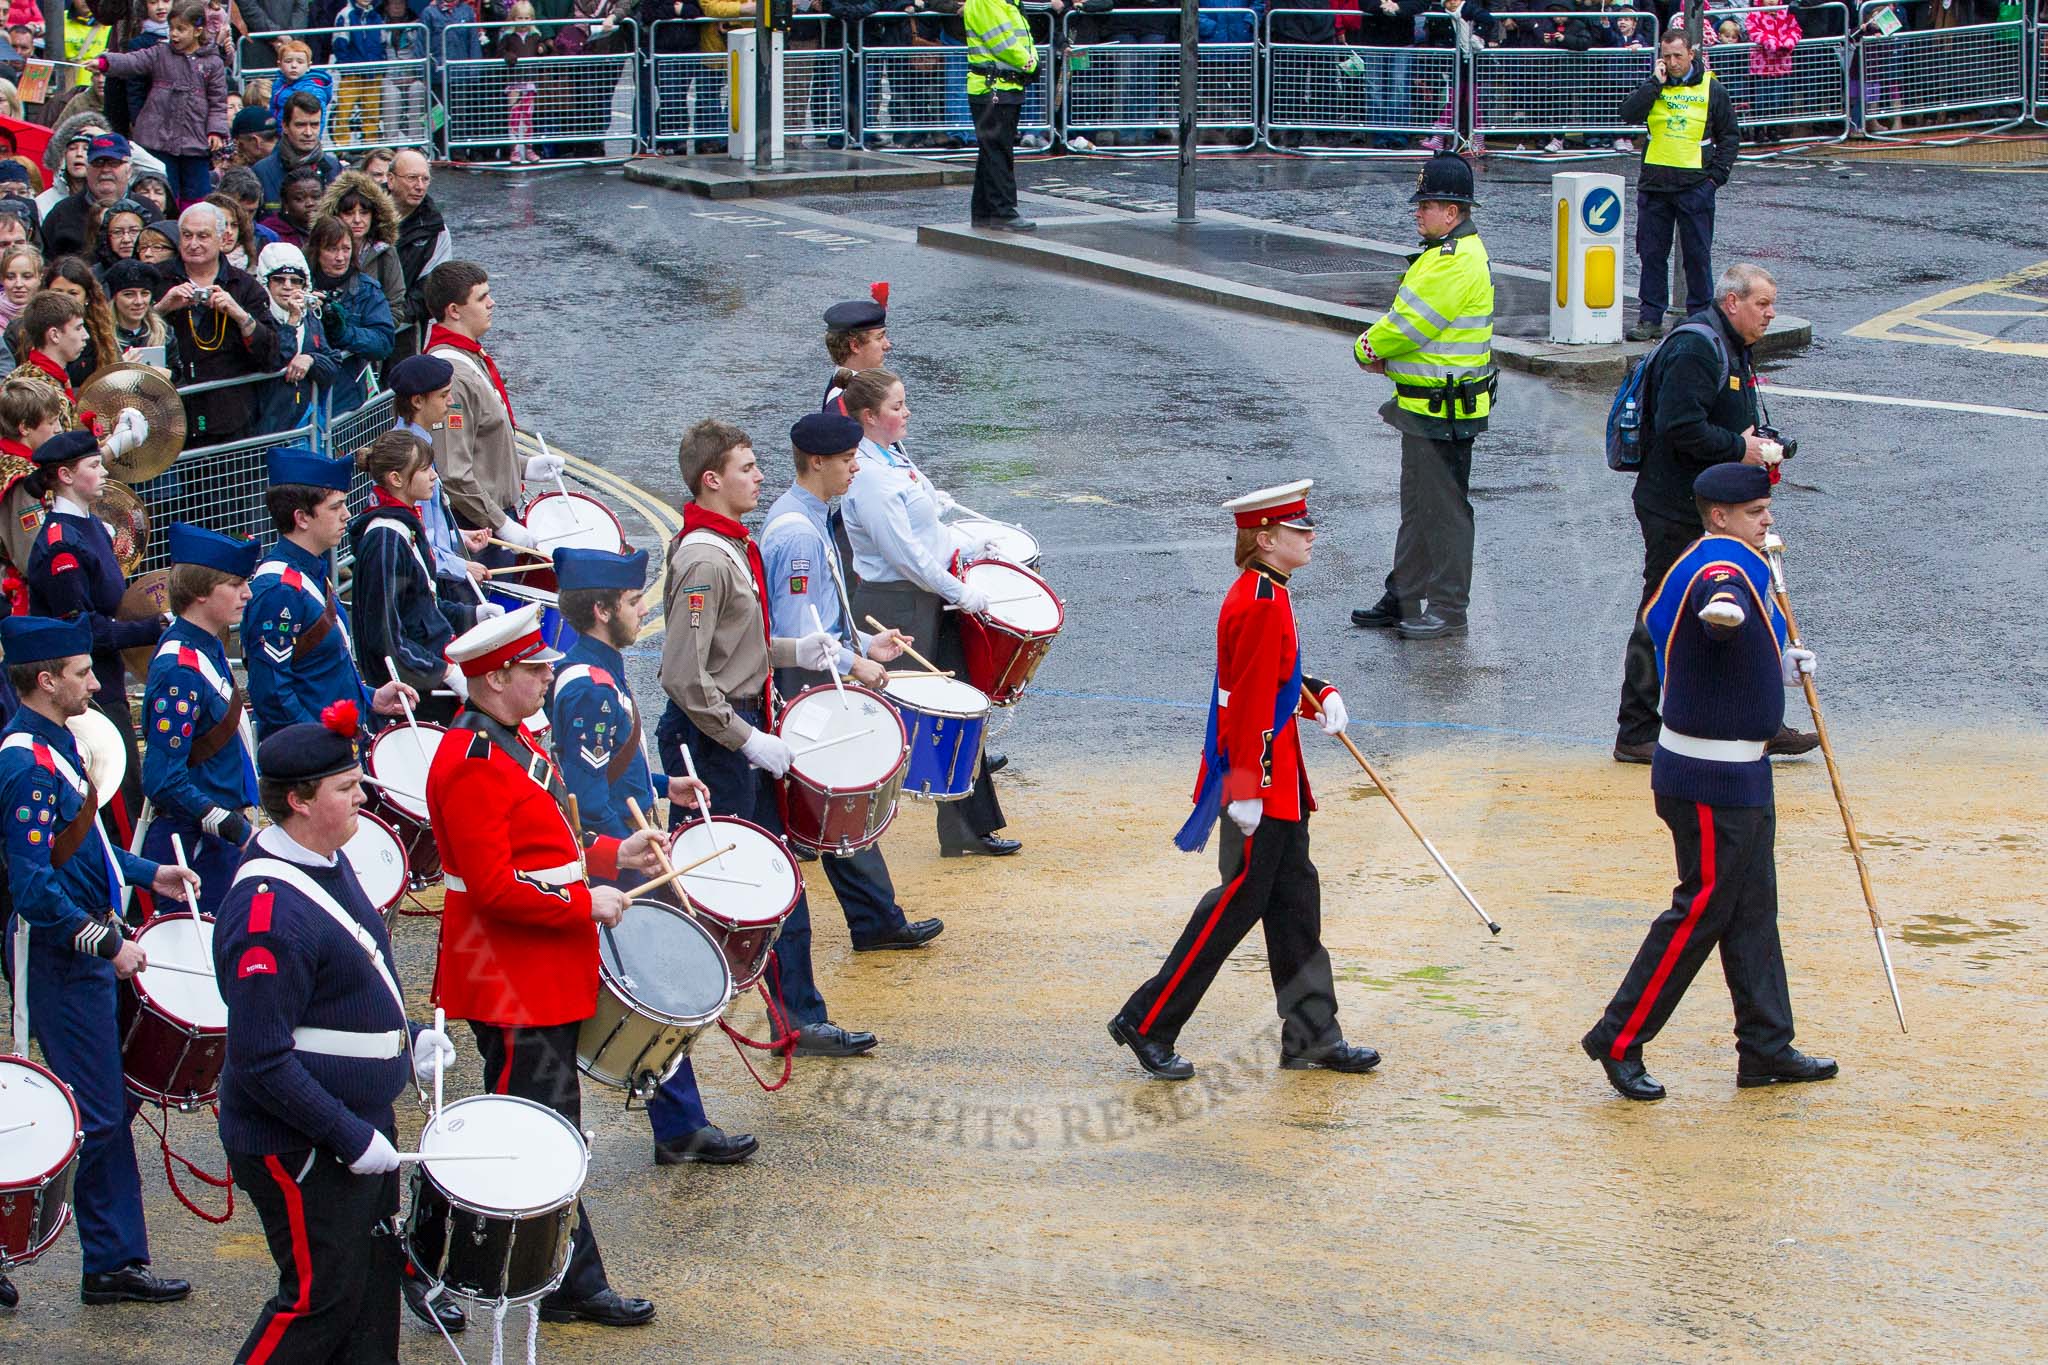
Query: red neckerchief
[[380, 498], [441, 336], [54, 370], [697, 517], [18, 449]]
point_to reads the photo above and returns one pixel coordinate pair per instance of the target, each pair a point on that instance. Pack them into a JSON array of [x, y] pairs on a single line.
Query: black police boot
[[1384, 614], [1158, 1059], [1789, 1066], [1431, 625], [446, 1311]]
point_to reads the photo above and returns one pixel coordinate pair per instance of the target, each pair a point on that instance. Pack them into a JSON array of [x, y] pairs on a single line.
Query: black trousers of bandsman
[[338, 1260]]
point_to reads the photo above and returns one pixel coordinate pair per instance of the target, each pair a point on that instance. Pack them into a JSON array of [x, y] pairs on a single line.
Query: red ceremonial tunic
[[1256, 650], [518, 947]]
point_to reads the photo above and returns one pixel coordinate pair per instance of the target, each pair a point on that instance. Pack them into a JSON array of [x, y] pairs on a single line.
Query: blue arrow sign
[[1602, 211]]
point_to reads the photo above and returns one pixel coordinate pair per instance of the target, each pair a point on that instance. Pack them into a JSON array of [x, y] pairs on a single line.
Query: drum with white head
[[174, 1024], [947, 721], [377, 855], [399, 759], [841, 788], [40, 1138], [741, 897], [1006, 643], [1013, 544], [662, 981]]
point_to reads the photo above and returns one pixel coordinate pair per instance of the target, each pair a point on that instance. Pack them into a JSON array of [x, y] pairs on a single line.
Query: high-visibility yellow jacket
[[1001, 58], [1437, 339]]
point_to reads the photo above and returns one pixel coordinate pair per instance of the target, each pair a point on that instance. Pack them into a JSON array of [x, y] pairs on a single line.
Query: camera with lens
[[202, 293], [1788, 445]]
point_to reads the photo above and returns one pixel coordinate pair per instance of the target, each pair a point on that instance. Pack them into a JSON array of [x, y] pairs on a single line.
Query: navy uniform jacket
[[43, 791], [190, 692], [285, 966], [73, 570], [595, 726], [400, 606], [1721, 683], [297, 665]]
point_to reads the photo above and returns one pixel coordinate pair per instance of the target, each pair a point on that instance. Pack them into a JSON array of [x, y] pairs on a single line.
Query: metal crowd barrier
[[1519, 91], [376, 104], [689, 92], [1323, 97], [1805, 86], [918, 90], [1975, 72], [582, 107], [1134, 87]]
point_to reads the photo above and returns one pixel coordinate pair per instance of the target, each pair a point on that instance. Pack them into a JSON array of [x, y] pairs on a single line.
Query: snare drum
[[38, 1162], [1014, 544], [840, 792], [946, 719], [742, 897], [496, 1232], [174, 1027], [1006, 644], [377, 855], [662, 980], [574, 521], [399, 759]]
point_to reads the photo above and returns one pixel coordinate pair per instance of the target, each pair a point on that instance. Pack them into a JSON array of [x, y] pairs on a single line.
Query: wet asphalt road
[[1111, 424]]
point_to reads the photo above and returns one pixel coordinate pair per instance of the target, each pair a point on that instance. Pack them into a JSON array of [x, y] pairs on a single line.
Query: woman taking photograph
[[353, 314], [134, 288]]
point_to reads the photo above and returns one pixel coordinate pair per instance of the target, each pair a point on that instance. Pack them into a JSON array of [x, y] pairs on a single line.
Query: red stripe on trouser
[[1222, 902], [511, 1037], [302, 1262], [1678, 940]]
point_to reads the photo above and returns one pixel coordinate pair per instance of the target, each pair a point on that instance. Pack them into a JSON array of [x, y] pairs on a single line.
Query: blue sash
[[1194, 835]]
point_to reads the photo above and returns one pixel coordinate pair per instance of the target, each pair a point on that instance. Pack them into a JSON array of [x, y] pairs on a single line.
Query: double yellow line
[[665, 520]]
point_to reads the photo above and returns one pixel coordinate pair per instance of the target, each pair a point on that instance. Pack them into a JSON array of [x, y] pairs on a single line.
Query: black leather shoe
[[993, 763], [711, 1145], [914, 934], [1635, 753], [802, 854], [1430, 626], [1789, 1066], [1339, 1056], [1015, 222], [132, 1284], [606, 1308], [1384, 614], [1629, 1079], [1644, 331], [994, 845], [829, 1040], [9, 1295], [444, 1310], [1158, 1059], [1789, 742]]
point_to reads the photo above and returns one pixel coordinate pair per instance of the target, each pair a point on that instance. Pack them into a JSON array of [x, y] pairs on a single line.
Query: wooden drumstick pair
[[929, 666]]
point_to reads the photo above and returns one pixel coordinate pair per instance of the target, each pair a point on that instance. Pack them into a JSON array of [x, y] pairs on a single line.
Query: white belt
[[1713, 750], [369, 1047], [568, 874]]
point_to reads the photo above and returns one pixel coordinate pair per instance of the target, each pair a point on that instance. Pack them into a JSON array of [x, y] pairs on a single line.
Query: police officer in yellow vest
[[1689, 154], [1002, 61], [1436, 344]]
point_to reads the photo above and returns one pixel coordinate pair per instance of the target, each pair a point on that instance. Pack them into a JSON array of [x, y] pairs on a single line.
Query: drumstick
[[919, 673], [178, 848], [818, 625], [206, 972], [993, 601], [703, 808], [665, 878], [441, 1027], [457, 1156], [511, 569], [391, 666], [640, 821], [16, 1127], [824, 744], [908, 650], [523, 549]]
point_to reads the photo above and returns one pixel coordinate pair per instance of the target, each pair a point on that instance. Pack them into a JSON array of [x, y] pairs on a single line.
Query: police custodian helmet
[[1447, 179]]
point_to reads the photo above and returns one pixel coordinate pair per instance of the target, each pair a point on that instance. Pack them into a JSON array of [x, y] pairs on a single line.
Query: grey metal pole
[[1190, 72], [1694, 26], [61, 77], [764, 102]]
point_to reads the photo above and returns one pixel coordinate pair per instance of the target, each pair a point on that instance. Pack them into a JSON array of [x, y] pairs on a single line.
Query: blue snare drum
[[511, 594], [945, 719]]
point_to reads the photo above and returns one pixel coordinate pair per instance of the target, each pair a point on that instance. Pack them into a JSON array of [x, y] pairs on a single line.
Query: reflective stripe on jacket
[[1000, 52], [1439, 330]]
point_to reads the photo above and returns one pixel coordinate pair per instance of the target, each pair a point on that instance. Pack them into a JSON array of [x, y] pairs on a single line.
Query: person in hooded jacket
[[294, 399], [353, 314], [371, 217]]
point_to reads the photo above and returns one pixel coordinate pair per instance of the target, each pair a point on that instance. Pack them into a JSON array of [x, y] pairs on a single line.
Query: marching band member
[[518, 955], [317, 1050], [474, 445], [30, 414], [196, 767], [714, 668], [1253, 778], [53, 326], [856, 338], [295, 633], [902, 559], [800, 555], [66, 880], [1723, 663], [421, 387], [404, 607], [601, 747], [73, 573]]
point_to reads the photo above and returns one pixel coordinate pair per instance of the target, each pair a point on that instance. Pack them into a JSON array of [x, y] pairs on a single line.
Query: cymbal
[[148, 597], [104, 750], [113, 390], [118, 506]]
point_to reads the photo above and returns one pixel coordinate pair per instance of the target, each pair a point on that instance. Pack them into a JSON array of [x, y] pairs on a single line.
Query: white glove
[[544, 468], [943, 499], [768, 753], [429, 1044], [817, 651], [1246, 814], [513, 531], [457, 682], [1794, 662], [973, 601], [377, 1158], [131, 429], [489, 611], [1335, 717], [1723, 613]]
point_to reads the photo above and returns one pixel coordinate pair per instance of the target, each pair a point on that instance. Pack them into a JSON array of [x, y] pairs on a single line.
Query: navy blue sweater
[[1720, 683]]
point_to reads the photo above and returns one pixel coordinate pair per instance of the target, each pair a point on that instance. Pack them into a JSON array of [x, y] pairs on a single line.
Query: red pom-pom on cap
[[343, 718], [879, 292]]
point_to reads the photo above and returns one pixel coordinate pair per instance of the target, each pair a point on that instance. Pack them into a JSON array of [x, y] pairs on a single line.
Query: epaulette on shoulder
[[479, 746], [1265, 590], [1450, 248]]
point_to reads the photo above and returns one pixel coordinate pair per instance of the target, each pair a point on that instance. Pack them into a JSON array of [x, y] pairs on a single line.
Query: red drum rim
[[77, 1126], [699, 907]]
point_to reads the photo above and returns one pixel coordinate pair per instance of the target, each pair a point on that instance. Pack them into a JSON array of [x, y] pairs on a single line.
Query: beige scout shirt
[[473, 449], [716, 646]]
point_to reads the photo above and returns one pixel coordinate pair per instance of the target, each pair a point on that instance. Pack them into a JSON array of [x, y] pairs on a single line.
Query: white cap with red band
[[1284, 504], [509, 639]]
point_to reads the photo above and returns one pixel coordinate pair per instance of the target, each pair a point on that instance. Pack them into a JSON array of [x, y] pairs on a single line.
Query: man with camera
[[1704, 410]]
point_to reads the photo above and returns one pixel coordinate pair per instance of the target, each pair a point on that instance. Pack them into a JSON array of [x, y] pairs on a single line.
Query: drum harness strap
[[310, 638]]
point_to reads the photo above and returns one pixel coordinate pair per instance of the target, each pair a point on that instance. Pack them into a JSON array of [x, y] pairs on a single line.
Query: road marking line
[[1883, 400], [1913, 323]]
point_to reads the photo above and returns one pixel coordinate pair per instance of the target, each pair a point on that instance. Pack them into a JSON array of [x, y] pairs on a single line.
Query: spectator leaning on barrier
[[221, 319], [1689, 155], [1388, 27], [292, 400], [300, 146], [68, 227], [353, 314], [423, 241], [185, 118]]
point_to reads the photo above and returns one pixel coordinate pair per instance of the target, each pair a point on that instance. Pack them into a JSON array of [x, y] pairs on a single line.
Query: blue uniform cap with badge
[[599, 569], [306, 752], [298, 465], [33, 639], [212, 550], [418, 374], [66, 446], [1732, 483], [856, 316], [825, 433]]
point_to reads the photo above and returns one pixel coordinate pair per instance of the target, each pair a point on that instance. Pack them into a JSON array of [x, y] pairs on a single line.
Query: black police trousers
[[337, 1260], [995, 170], [1664, 541], [1433, 548]]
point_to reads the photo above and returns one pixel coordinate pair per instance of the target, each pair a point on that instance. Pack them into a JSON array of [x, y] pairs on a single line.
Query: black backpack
[[1630, 410]]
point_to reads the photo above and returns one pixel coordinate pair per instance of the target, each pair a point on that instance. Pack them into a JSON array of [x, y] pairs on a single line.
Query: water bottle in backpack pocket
[[1631, 407]]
